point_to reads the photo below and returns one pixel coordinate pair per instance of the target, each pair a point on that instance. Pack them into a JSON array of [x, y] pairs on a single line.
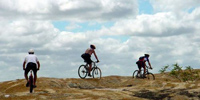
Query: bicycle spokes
[[96, 72]]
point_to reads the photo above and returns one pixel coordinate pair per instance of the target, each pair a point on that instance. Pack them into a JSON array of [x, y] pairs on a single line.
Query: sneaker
[[89, 75], [144, 77], [27, 84], [34, 86]]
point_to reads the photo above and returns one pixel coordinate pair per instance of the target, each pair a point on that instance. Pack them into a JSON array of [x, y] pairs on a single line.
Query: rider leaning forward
[[142, 63], [87, 56]]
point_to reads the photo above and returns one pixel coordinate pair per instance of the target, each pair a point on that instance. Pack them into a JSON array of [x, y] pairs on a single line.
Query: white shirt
[[31, 58]]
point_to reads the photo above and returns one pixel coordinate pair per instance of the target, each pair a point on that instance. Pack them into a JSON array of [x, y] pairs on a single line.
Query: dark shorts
[[87, 58], [31, 66], [141, 64]]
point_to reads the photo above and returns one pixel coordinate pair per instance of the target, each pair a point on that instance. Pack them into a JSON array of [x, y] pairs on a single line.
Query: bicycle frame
[[93, 65], [147, 69]]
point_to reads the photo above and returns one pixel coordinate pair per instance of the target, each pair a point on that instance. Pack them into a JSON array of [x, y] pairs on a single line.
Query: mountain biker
[[142, 63], [31, 62], [87, 56]]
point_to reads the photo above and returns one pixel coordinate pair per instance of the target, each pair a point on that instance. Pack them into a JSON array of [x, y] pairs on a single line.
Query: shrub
[[189, 74]]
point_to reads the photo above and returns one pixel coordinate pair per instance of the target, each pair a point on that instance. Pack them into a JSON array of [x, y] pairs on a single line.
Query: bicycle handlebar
[[149, 68], [95, 61]]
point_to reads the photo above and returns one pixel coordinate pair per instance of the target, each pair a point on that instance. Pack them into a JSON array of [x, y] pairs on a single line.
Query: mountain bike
[[84, 69], [149, 75], [31, 80]]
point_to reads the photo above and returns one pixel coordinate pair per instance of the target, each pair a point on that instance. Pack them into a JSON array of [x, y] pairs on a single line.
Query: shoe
[[89, 75], [27, 84], [34, 86]]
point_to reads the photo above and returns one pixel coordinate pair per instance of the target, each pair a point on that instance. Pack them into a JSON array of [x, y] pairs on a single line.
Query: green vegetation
[[176, 71]]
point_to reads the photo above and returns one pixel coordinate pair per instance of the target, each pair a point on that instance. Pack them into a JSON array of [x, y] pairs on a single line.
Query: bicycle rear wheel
[[135, 74], [150, 76], [96, 73], [82, 71], [31, 83]]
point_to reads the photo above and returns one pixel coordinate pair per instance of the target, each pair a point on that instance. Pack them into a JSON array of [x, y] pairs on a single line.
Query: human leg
[[89, 61], [26, 74], [89, 70], [35, 78], [139, 64], [34, 68], [144, 67]]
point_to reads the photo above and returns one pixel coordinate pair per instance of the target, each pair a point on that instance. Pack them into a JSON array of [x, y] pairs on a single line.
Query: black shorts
[[141, 64], [87, 58], [31, 66]]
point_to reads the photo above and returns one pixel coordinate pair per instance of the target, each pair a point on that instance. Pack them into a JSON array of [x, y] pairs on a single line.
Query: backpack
[[141, 58]]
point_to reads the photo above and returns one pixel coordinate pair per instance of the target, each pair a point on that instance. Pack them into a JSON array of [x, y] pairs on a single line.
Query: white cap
[[31, 51]]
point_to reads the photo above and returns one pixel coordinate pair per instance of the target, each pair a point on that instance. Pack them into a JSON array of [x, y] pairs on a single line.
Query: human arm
[[24, 65], [96, 56], [150, 65], [38, 63]]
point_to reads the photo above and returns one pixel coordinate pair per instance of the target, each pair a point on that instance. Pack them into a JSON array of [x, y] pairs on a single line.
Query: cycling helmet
[[92, 46], [31, 51], [146, 55]]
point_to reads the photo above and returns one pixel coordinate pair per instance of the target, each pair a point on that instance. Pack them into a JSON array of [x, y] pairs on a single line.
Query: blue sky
[[83, 26], [122, 30], [144, 7]]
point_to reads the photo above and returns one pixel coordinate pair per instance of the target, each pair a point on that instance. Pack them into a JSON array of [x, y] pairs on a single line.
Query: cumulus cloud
[[175, 6], [76, 10], [168, 37]]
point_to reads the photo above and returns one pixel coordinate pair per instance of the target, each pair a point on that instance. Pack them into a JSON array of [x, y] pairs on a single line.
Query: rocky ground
[[107, 88]]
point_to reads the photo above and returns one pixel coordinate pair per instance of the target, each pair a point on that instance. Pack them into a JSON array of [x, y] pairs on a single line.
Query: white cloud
[[166, 36], [74, 10], [159, 24], [175, 6]]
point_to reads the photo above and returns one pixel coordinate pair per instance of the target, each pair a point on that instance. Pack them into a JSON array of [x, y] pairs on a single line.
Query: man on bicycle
[[87, 57], [31, 62], [142, 63]]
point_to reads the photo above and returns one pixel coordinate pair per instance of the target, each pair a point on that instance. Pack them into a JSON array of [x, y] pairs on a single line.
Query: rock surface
[[107, 88]]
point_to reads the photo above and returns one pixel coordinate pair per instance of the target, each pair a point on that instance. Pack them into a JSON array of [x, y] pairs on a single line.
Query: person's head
[[92, 46], [31, 51], [146, 55]]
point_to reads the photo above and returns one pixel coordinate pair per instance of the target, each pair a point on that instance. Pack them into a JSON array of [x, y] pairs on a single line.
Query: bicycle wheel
[[31, 83], [135, 74], [150, 76], [82, 71], [96, 73]]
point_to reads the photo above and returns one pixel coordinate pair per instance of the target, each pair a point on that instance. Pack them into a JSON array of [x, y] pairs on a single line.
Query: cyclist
[[87, 56], [142, 63], [31, 62]]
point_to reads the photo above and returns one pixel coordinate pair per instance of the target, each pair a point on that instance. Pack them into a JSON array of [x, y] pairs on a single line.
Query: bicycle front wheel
[[96, 73], [150, 76], [82, 71]]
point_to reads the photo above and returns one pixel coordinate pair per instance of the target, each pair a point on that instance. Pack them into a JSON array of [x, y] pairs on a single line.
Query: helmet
[[31, 51], [92, 46], [146, 55]]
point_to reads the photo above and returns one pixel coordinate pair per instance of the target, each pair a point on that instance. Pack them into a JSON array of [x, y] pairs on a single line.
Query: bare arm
[[96, 56], [149, 64], [38, 63], [24, 65]]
